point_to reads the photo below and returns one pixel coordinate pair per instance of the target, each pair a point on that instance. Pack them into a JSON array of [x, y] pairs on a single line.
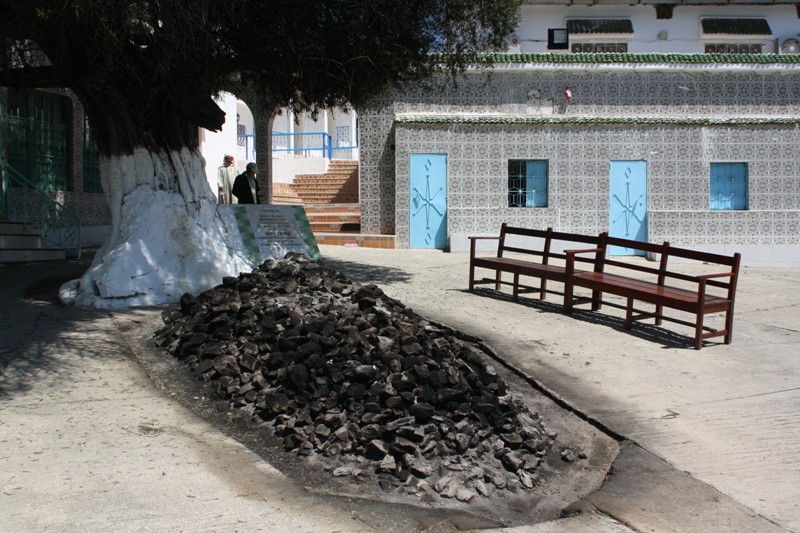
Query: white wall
[[284, 170], [684, 33], [215, 144], [243, 154]]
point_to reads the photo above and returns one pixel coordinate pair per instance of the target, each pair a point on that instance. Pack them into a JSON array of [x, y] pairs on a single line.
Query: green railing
[[37, 211], [38, 149]]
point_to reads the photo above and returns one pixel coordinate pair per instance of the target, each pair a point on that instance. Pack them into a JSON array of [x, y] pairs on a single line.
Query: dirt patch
[[353, 394]]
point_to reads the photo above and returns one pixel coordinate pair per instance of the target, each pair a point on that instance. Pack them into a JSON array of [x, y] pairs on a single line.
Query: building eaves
[[504, 120], [639, 59], [654, 2]]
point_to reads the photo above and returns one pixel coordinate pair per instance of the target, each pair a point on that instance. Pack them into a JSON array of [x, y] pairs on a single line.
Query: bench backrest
[[549, 244], [664, 252]]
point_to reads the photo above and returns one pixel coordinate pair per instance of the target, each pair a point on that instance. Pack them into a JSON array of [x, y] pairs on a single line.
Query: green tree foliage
[[146, 70]]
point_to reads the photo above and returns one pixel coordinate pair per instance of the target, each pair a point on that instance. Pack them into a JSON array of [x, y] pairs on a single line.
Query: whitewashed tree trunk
[[166, 236]]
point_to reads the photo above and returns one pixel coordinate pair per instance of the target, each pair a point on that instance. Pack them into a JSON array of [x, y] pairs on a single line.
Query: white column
[[325, 129], [290, 130], [354, 134]]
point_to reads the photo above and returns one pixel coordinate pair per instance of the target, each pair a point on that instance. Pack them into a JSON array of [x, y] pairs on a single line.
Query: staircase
[[283, 194], [331, 205], [18, 246], [338, 186]]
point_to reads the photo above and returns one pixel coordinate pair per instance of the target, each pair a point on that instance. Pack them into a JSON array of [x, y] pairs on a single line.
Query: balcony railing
[[297, 145]]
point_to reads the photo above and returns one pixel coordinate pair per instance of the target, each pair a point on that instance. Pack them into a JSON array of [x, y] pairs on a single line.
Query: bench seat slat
[[522, 267], [682, 299]]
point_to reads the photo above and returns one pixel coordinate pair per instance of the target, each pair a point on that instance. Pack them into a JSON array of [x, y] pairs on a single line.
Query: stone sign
[[270, 231]]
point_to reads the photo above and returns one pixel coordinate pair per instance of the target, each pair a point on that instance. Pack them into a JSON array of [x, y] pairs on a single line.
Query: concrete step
[[345, 207], [348, 166], [333, 217], [277, 200], [356, 239], [11, 228], [335, 227], [306, 181], [20, 241], [12, 255], [301, 188], [326, 198]]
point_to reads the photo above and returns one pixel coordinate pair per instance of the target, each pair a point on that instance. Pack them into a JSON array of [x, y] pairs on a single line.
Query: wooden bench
[[536, 253], [663, 286]]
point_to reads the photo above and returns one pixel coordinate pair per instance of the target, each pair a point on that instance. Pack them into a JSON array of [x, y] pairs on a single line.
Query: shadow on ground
[[656, 334], [364, 273]]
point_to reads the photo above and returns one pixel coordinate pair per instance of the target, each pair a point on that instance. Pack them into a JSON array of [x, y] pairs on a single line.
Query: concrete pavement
[[728, 415], [90, 442]]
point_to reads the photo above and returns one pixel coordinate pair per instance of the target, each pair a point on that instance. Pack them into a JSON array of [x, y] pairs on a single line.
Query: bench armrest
[[703, 278], [720, 275], [474, 240], [570, 267], [587, 251]]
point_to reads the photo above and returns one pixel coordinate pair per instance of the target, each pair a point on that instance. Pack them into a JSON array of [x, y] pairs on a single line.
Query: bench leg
[[659, 311], [497, 280], [728, 327], [516, 286], [597, 300], [543, 289], [568, 288], [629, 314], [471, 278], [698, 332]]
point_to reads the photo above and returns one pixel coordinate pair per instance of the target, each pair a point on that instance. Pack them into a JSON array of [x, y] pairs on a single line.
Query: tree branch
[[41, 77]]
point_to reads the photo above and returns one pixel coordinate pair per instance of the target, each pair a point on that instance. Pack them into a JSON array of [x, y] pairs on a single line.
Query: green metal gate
[[36, 144]]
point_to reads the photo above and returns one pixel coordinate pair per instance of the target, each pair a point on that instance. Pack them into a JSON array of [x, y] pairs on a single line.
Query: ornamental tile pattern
[[677, 121]]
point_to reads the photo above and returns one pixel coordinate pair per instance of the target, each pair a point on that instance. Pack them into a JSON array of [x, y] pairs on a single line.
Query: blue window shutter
[[536, 183], [738, 186], [728, 186]]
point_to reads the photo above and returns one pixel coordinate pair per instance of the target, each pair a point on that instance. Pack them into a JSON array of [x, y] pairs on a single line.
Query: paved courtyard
[[90, 440]]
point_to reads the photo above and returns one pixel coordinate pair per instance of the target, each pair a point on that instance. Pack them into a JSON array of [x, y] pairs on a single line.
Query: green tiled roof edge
[[512, 120], [722, 59]]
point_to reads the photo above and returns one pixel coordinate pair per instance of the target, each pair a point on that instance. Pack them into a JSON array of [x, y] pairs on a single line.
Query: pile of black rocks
[[354, 378]]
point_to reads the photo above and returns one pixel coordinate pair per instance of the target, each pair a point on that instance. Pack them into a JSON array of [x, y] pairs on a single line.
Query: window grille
[[527, 183], [600, 48], [719, 48]]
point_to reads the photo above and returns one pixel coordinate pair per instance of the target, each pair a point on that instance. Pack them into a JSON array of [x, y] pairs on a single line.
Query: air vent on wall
[[790, 46]]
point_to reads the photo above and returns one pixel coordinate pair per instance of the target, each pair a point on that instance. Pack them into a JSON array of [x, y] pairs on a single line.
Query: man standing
[[245, 187], [225, 176]]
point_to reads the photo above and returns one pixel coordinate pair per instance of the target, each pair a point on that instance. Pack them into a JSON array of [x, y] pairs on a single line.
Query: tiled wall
[[92, 208], [677, 156]]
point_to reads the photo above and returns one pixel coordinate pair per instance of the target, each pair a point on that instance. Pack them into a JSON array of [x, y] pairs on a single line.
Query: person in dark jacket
[[245, 186]]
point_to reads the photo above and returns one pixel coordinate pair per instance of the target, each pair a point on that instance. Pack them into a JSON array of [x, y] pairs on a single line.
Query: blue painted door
[[628, 204], [428, 213]]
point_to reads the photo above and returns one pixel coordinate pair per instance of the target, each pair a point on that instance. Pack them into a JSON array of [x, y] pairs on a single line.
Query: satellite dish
[[790, 46]]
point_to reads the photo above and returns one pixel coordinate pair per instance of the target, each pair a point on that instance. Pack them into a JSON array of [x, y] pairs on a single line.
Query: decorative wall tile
[[678, 156]]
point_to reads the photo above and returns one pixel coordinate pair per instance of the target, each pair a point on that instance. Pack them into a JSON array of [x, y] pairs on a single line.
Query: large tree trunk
[[166, 236]]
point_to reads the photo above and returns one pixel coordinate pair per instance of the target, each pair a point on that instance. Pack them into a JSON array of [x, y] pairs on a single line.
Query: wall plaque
[[270, 231]]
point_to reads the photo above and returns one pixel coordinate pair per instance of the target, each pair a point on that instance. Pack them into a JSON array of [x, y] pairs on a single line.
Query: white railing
[[297, 145]]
